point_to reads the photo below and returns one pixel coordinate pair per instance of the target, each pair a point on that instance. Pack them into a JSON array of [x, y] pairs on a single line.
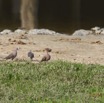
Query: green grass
[[53, 82]]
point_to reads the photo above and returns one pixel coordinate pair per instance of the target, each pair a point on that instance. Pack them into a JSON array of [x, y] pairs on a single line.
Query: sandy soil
[[82, 49]]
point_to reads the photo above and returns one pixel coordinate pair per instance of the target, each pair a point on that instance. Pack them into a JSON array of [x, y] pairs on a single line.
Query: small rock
[[6, 31], [9, 39], [19, 31], [95, 28], [81, 32], [21, 42], [76, 39], [97, 42], [14, 41], [42, 32]]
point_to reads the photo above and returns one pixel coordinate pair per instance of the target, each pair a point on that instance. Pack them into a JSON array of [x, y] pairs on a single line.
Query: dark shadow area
[[58, 15]]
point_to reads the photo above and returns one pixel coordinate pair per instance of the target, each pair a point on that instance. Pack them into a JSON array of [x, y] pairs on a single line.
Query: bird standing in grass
[[47, 56], [12, 55], [30, 55]]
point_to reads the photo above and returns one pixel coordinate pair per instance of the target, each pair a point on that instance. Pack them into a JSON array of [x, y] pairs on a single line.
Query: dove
[[12, 55], [47, 56], [30, 55]]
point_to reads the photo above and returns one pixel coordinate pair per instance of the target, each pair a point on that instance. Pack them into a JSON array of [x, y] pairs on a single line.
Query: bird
[[30, 55], [47, 56], [48, 49], [12, 55]]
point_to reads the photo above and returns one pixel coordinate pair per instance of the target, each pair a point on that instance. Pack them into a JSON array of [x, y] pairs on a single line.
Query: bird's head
[[48, 49], [17, 49]]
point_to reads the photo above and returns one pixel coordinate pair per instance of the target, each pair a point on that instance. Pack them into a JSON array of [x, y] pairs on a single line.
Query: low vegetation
[[53, 82]]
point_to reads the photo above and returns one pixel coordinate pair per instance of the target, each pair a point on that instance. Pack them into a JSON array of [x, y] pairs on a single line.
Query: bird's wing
[[43, 59], [30, 54], [9, 56]]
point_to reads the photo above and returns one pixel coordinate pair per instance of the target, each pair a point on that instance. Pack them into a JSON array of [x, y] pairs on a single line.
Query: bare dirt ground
[[82, 49]]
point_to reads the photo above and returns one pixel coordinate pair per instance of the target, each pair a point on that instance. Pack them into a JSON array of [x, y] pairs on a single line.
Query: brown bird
[[12, 55], [30, 55], [47, 56]]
